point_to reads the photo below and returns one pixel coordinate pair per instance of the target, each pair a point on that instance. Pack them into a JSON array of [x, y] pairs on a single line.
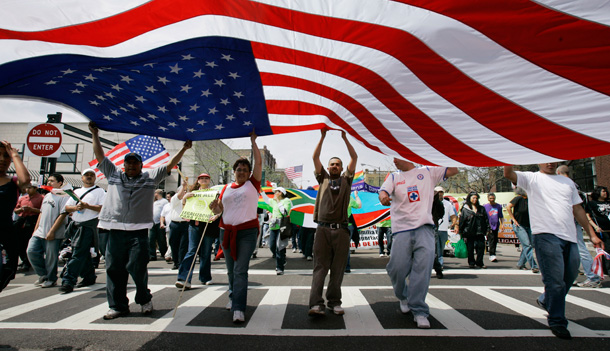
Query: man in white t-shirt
[[448, 221], [413, 244], [83, 230], [553, 205]]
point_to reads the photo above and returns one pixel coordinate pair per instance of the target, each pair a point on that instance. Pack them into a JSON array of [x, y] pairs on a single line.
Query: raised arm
[[23, 176], [317, 164], [97, 145], [177, 157], [451, 171], [257, 168], [510, 174], [351, 166]]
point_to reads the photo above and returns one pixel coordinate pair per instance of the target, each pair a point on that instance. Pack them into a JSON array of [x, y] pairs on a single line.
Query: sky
[[288, 149]]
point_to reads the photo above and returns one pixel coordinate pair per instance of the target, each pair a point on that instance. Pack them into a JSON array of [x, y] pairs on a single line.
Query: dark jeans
[[205, 255], [24, 226], [178, 240], [80, 264], [127, 254], [381, 231], [558, 260], [280, 255], [492, 241], [102, 239], [156, 236], [307, 236], [475, 243]]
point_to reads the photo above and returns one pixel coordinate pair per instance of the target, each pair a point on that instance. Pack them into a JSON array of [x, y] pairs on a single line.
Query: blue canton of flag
[[206, 88]]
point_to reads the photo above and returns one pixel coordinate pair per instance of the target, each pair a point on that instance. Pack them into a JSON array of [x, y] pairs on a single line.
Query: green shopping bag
[[460, 250]]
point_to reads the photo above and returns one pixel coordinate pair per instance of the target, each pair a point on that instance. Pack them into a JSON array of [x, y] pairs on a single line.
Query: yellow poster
[[197, 207]]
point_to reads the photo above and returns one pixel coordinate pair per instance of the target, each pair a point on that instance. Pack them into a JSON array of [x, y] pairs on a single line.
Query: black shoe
[[471, 266], [175, 267], [439, 274], [561, 332], [66, 289], [84, 283], [153, 259], [348, 271]]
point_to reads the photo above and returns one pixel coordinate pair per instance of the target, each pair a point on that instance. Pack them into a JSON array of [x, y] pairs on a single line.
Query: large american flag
[[150, 148], [294, 172], [444, 82]]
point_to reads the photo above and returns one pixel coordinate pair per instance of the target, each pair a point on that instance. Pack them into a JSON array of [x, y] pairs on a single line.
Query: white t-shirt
[[240, 202], [449, 211], [157, 207], [412, 194], [175, 206], [52, 206], [550, 201], [165, 213], [95, 197]]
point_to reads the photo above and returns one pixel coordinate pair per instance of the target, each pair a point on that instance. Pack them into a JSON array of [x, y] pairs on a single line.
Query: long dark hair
[[469, 204], [595, 194]]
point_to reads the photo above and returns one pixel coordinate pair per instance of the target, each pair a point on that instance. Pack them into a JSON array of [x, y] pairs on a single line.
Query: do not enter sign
[[44, 140]]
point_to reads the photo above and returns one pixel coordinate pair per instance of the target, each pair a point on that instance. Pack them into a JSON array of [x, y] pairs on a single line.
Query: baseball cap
[[280, 189], [87, 171], [133, 155], [439, 188], [203, 175], [33, 184]]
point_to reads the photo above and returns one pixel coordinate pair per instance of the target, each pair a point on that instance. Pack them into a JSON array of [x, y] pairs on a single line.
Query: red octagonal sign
[[44, 140]]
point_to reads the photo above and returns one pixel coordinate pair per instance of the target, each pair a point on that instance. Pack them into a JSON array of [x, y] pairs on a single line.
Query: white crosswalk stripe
[[360, 318]]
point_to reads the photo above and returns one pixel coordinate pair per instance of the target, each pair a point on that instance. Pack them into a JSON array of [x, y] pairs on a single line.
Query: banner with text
[[197, 207]]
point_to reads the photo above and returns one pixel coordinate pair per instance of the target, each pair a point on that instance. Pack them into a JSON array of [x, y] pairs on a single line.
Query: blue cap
[[133, 155]]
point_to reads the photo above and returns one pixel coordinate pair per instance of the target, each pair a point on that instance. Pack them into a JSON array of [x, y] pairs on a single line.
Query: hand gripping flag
[[150, 148], [597, 267], [453, 83]]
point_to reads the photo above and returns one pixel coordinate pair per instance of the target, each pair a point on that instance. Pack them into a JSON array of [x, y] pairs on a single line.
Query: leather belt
[[333, 225]]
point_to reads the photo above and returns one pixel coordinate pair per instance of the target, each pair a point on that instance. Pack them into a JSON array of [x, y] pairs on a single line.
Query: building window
[[583, 174]]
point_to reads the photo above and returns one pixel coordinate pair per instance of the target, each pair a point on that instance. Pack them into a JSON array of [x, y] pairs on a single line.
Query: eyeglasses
[[243, 170]]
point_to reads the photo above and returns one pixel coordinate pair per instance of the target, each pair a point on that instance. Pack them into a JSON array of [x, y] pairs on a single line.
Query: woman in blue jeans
[[238, 203], [195, 231]]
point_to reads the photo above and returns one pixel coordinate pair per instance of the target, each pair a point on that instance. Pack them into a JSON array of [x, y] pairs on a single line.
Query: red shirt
[[31, 201]]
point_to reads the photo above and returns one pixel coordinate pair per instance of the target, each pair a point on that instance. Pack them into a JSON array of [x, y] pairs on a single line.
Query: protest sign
[[197, 207]]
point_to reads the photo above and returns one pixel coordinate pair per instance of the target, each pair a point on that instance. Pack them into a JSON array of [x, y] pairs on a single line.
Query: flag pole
[[190, 269]]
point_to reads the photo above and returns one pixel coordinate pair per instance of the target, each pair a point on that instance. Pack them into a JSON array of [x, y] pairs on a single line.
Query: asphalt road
[[471, 309]]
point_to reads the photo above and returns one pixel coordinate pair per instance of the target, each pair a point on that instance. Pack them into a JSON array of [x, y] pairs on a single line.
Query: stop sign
[[44, 140]]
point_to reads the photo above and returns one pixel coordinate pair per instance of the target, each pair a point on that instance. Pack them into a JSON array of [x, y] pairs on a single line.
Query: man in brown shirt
[[331, 243]]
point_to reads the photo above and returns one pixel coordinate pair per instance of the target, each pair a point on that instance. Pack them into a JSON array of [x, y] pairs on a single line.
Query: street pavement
[[491, 308]]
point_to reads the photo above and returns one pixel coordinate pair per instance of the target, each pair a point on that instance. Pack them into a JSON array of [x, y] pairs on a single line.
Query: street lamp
[[378, 172]]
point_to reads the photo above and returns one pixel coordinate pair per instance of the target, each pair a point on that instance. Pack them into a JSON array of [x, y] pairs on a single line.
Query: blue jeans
[[205, 255], [585, 256], [43, 255], [524, 234], [280, 255], [127, 254], [178, 240], [237, 270], [559, 261], [440, 245], [412, 257]]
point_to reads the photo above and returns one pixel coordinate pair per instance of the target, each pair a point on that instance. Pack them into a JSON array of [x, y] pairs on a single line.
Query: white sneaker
[[147, 307], [40, 280], [294, 250], [404, 306], [48, 284], [183, 284], [238, 317], [422, 322], [338, 310], [493, 258], [209, 282], [229, 305], [316, 311]]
